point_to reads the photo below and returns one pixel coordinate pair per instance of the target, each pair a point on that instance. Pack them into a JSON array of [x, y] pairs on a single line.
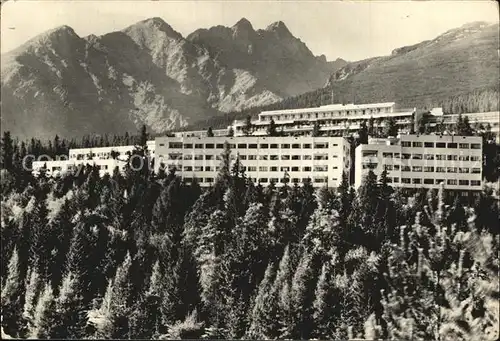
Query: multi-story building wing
[[416, 161], [59, 167], [264, 159], [334, 118], [105, 153]]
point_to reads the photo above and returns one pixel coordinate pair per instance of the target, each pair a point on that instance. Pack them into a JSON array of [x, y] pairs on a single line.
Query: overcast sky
[[349, 30]]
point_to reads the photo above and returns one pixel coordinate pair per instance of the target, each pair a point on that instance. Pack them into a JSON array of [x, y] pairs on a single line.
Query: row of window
[[453, 145], [266, 180], [427, 169], [180, 156], [316, 145], [440, 157], [321, 168], [326, 114], [418, 181]]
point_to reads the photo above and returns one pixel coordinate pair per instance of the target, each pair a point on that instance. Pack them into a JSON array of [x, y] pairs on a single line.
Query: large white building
[[264, 159], [333, 118], [416, 161], [106, 158]]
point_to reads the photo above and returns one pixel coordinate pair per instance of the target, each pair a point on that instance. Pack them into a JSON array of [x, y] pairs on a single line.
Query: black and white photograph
[[250, 170]]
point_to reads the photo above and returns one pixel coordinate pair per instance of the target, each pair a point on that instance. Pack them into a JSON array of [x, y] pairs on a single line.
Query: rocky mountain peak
[[155, 24], [243, 24], [280, 29]]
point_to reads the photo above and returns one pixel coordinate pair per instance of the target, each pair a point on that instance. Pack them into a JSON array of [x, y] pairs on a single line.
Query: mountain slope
[[462, 61], [459, 61], [148, 73]]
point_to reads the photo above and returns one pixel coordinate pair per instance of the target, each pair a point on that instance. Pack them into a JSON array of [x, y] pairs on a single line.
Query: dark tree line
[[144, 255]]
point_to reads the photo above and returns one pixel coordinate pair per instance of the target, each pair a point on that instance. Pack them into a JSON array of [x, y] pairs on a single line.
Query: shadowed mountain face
[[459, 61], [60, 83]]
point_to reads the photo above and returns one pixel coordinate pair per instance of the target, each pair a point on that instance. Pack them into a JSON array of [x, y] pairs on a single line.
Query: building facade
[[264, 159], [423, 161], [334, 119]]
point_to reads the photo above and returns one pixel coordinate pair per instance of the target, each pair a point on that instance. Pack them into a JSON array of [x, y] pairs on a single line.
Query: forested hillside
[[144, 255]]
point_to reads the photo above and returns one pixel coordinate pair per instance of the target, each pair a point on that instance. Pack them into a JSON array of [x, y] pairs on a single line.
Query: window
[[252, 157], [209, 180], [188, 157], [306, 146], [252, 169], [263, 157], [209, 146], [296, 146], [405, 168], [476, 170], [295, 157], [295, 169], [370, 165], [188, 179], [321, 145], [263, 169], [174, 145], [242, 146], [397, 156], [429, 144], [416, 181], [252, 146], [187, 168], [440, 145], [475, 146], [396, 167], [209, 157], [284, 169], [439, 181], [463, 182], [405, 156], [274, 146], [440, 169], [428, 181], [243, 157], [395, 180], [451, 169], [452, 145], [388, 167], [209, 168], [198, 145], [428, 169], [428, 157], [406, 180], [475, 183], [198, 168], [264, 180], [464, 146], [162, 144], [273, 157], [452, 157], [463, 158], [387, 155], [285, 157], [463, 170], [320, 168], [274, 169], [219, 146], [198, 157], [405, 144], [307, 157], [306, 169], [174, 156], [369, 153], [320, 157], [417, 156], [475, 158], [417, 144], [440, 157], [285, 146], [452, 181], [275, 180], [264, 146], [320, 180], [416, 169]]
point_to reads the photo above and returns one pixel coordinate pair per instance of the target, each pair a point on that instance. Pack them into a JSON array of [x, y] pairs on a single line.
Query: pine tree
[[390, 127], [7, 151], [363, 133], [45, 315], [210, 133], [12, 297], [248, 127], [316, 129]]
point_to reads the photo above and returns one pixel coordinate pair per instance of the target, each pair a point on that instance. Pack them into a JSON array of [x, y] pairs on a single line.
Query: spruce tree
[[45, 315]]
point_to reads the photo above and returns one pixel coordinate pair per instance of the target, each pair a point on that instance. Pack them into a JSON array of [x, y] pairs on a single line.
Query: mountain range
[[148, 73]]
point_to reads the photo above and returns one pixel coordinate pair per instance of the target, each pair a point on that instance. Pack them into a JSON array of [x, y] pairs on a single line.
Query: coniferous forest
[[144, 255]]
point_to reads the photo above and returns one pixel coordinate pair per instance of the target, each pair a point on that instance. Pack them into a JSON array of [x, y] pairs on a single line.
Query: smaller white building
[[55, 168], [423, 161]]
